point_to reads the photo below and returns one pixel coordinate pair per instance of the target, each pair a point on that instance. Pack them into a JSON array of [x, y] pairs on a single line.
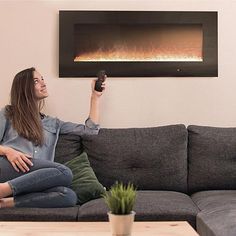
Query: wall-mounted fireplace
[[131, 44]]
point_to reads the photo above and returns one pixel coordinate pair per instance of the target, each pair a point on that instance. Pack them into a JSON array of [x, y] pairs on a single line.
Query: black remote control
[[101, 78]]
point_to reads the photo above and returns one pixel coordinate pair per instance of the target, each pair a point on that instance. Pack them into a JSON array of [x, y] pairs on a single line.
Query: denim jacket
[[52, 127]]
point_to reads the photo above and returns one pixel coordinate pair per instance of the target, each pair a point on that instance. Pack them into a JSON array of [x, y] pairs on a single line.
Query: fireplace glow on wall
[[138, 43]]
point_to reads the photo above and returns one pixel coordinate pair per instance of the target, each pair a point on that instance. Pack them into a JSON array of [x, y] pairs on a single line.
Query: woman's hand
[[96, 93], [18, 160], [94, 102]]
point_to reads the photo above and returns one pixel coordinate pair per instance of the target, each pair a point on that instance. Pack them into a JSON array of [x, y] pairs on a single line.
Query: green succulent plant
[[120, 198]]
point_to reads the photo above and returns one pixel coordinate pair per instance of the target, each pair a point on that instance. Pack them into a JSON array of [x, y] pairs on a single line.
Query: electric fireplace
[[137, 43]]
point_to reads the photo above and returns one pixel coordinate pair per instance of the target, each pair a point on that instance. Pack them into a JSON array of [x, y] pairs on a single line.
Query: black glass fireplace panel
[[138, 43]]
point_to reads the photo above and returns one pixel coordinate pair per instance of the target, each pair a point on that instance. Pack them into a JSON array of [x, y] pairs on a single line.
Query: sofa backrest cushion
[[212, 158], [68, 147], [151, 158]]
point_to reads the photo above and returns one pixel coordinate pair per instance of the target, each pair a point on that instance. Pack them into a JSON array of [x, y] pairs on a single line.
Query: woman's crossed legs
[[45, 185]]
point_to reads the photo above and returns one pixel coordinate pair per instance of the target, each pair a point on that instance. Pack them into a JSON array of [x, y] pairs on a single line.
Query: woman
[[28, 175]]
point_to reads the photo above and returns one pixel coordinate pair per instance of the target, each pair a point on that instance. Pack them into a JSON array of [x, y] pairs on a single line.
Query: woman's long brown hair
[[24, 109]]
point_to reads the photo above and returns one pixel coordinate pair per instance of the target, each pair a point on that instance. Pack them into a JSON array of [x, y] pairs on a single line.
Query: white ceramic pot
[[121, 225]]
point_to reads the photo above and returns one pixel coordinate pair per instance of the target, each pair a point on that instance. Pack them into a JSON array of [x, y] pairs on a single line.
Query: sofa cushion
[[150, 158], [68, 147], [84, 183], [209, 200], [149, 206], [212, 162], [39, 214], [215, 206], [217, 222]]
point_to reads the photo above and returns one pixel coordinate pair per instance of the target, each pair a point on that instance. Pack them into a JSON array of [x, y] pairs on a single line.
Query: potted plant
[[120, 200]]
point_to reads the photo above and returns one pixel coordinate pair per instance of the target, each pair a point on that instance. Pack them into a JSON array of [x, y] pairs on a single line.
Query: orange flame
[[124, 54]]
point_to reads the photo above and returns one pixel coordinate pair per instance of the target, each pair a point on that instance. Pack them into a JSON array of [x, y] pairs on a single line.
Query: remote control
[[101, 78]]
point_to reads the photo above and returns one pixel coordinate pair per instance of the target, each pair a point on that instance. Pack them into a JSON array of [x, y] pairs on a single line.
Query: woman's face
[[39, 86]]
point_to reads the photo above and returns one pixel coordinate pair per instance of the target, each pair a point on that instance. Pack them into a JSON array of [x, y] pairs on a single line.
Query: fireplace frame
[[207, 68]]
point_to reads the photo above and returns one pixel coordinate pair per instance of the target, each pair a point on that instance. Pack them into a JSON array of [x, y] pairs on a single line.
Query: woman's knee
[[70, 197], [66, 172]]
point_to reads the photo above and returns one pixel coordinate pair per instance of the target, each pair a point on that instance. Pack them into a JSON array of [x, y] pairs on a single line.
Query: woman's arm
[[94, 112], [91, 124]]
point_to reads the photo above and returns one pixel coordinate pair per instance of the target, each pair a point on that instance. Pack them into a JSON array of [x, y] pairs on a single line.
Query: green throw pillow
[[85, 182]]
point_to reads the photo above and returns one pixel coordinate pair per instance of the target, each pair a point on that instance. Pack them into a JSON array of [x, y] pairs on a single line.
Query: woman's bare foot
[[7, 202], [5, 190]]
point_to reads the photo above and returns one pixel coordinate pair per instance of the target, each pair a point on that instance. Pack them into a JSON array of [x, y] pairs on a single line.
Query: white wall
[[29, 37]]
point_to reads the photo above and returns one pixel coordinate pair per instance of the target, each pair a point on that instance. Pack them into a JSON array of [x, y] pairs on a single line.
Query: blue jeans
[[45, 185]]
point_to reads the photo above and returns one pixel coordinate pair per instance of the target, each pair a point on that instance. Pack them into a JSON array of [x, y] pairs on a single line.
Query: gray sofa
[[181, 174]]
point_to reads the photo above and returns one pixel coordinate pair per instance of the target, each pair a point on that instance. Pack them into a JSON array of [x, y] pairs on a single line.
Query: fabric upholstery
[[211, 155], [68, 147], [150, 158], [207, 200], [217, 222], [218, 212], [149, 206], [39, 214]]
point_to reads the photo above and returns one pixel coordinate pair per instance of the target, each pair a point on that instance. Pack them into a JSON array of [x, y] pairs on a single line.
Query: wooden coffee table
[[171, 228]]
